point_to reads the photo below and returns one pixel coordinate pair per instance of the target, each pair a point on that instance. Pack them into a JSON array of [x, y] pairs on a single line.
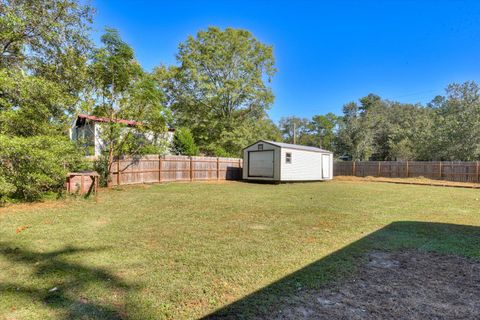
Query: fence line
[[154, 169], [460, 171]]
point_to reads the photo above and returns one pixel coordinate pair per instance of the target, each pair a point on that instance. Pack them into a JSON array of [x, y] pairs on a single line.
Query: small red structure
[[82, 182]]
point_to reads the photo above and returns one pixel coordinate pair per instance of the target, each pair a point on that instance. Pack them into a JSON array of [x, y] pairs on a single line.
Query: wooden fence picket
[[154, 168], [440, 170]]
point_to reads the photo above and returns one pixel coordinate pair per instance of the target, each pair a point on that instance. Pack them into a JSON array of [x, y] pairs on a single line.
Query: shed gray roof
[[293, 146]]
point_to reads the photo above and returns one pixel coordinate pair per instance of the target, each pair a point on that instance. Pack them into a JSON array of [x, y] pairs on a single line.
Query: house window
[[288, 157], [260, 146]]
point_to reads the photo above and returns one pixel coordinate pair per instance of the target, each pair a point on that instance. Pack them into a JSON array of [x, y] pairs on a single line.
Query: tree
[[44, 47], [232, 142], [47, 39], [401, 131], [125, 91], [457, 126], [354, 134], [31, 105], [369, 101], [385, 130], [294, 129], [40, 32], [322, 127], [184, 143], [220, 84]]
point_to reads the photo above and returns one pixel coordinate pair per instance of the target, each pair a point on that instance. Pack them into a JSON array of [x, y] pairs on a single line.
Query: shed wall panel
[[305, 165]]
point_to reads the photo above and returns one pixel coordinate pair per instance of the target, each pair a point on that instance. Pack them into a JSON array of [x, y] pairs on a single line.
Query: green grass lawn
[[185, 250]]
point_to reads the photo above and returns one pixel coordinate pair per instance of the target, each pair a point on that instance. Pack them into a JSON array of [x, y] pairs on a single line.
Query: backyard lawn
[[231, 249]]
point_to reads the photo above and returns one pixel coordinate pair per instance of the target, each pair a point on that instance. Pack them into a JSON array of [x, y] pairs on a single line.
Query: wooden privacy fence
[[154, 168], [441, 170]]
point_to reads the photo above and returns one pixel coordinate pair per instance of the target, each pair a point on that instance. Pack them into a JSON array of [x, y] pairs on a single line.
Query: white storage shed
[[276, 161]]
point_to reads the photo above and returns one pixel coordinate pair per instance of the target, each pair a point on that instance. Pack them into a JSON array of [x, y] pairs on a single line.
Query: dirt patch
[[400, 285], [21, 207]]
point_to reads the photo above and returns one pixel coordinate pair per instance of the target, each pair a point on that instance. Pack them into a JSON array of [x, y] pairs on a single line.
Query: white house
[[87, 129], [275, 161]]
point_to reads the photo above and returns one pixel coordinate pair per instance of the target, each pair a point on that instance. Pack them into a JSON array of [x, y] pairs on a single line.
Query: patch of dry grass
[[417, 180]]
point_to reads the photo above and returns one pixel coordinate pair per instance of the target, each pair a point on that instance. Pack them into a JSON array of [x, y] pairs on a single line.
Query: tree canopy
[[44, 47], [220, 85], [124, 91], [448, 128]]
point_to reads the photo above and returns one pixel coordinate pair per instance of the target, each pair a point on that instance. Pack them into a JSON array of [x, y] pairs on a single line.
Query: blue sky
[[327, 53]]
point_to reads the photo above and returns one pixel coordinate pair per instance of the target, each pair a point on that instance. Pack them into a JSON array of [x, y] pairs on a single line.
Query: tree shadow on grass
[[435, 237], [62, 285]]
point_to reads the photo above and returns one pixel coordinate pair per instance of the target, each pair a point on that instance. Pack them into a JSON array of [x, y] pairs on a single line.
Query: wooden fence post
[[440, 167], [379, 168], [478, 171], [118, 172], [354, 171], [160, 169], [408, 170], [191, 169], [218, 168]]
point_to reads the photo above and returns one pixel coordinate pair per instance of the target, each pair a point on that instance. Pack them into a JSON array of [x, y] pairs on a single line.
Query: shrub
[[31, 166], [101, 166], [6, 189], [184, 143]]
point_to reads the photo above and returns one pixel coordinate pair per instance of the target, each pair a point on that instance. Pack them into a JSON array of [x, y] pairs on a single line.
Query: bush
[[31, 166], [184, 143], [6, 189], [101, 166]]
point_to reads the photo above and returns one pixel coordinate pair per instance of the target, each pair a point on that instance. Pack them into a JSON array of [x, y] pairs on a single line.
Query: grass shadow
[[434, 237], [233, 173], [64, 286]]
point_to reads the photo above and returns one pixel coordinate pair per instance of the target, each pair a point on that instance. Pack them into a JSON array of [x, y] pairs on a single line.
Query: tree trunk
[[110, 164]]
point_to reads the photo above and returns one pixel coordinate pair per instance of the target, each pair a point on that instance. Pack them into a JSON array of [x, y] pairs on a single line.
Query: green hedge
[[32, 166]]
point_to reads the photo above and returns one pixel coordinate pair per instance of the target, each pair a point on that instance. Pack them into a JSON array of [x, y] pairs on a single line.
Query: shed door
[[260, 164], [325, 166]]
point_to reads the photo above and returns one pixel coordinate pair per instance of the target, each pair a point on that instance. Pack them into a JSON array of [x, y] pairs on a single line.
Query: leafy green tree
[[220, 84], [45, 43], [295, 130], [370, 101], [125, 91], [321, 128], [248, 132], [40, 32], [457, 125], [379, 129], [44, 48], [31, 105], [184, 143], [354, 137], [406, 133]]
